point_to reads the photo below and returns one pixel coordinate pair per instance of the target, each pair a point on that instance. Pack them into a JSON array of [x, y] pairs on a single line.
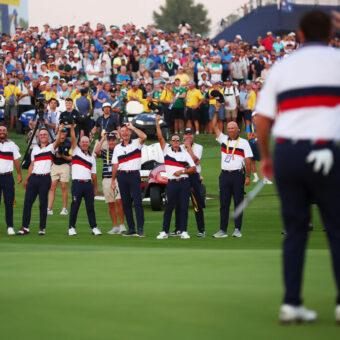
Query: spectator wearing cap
[[108, 122], [115, 102], [268, 41], [193, 100], [25, 102], [12, 95], [99, 97], [231, 97], [112, 197]]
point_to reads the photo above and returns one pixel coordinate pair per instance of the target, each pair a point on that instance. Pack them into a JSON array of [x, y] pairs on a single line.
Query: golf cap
[[106, 104], [248, 82], [191, 82], [187, 131], [111, 136]]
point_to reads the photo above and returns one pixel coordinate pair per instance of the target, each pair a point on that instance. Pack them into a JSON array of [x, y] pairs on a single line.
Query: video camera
[[40, 107], [69, 118]]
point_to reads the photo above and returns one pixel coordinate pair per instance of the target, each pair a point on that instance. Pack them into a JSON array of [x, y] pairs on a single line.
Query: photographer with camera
[[60, 172], [69, 116]]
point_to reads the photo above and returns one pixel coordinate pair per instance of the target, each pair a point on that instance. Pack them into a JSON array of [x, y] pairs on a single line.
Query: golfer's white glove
[[323, 160]]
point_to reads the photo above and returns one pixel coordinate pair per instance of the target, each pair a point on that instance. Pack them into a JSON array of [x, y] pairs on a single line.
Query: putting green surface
[[112, 287]]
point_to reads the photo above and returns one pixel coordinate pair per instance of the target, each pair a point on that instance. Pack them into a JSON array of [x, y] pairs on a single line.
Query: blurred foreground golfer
[[302, 95]]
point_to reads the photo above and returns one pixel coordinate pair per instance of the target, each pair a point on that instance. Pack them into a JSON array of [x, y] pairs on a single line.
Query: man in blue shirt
[[156, 59], [99, 97], [225, 61]]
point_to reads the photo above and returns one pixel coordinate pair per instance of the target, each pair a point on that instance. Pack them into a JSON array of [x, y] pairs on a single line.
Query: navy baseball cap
[[187, 131]]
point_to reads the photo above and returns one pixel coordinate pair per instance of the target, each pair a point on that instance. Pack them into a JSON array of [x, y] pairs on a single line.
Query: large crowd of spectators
[[129, 63]]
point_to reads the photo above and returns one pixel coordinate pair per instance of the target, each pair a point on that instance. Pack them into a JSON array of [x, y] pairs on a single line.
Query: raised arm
[[217, 131], [100, 144], [57, 141], [141, 135], [160, 137], [73, 137]]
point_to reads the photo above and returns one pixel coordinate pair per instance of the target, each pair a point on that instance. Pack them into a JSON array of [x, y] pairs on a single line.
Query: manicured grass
[[111, 287]]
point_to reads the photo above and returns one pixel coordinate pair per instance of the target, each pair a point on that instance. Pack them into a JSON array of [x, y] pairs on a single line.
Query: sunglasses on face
[[175, 140]]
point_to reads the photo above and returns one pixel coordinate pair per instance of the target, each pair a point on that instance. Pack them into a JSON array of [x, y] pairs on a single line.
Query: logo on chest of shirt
[[76, 160], [129, 156], [44, 156], [173, 162], [238, 151], [6, 155]]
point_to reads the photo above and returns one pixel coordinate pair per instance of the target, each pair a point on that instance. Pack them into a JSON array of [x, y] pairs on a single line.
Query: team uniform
[[39, 183], [195, 190], [178, 188], [83, 166], [305, 103], [9, 152], [231, 180], [129, 160]]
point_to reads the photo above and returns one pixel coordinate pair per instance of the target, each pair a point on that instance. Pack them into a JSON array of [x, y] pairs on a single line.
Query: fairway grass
[[103, 292], [115, 287]]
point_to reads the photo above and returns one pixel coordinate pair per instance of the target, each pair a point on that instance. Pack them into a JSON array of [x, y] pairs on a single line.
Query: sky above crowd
[[67, 12]]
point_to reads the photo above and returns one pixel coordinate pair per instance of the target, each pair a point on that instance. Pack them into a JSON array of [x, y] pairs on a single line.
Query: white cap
[[106, 104]]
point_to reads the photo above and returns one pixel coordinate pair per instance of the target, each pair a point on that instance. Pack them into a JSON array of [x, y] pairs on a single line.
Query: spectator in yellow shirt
[[249, 102], [12, 95], [135, 93], [166, 98], [183, 77], [193, 100], [48, 93]]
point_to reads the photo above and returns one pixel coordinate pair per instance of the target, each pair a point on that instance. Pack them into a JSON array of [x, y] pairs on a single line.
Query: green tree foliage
[[176, 11]]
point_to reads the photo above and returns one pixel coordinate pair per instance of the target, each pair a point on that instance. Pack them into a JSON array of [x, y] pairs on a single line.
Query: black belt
[[307, 141], [177, 179], [40, 175], [6, 173], [82, 180], [127, 171], [232, 171]]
